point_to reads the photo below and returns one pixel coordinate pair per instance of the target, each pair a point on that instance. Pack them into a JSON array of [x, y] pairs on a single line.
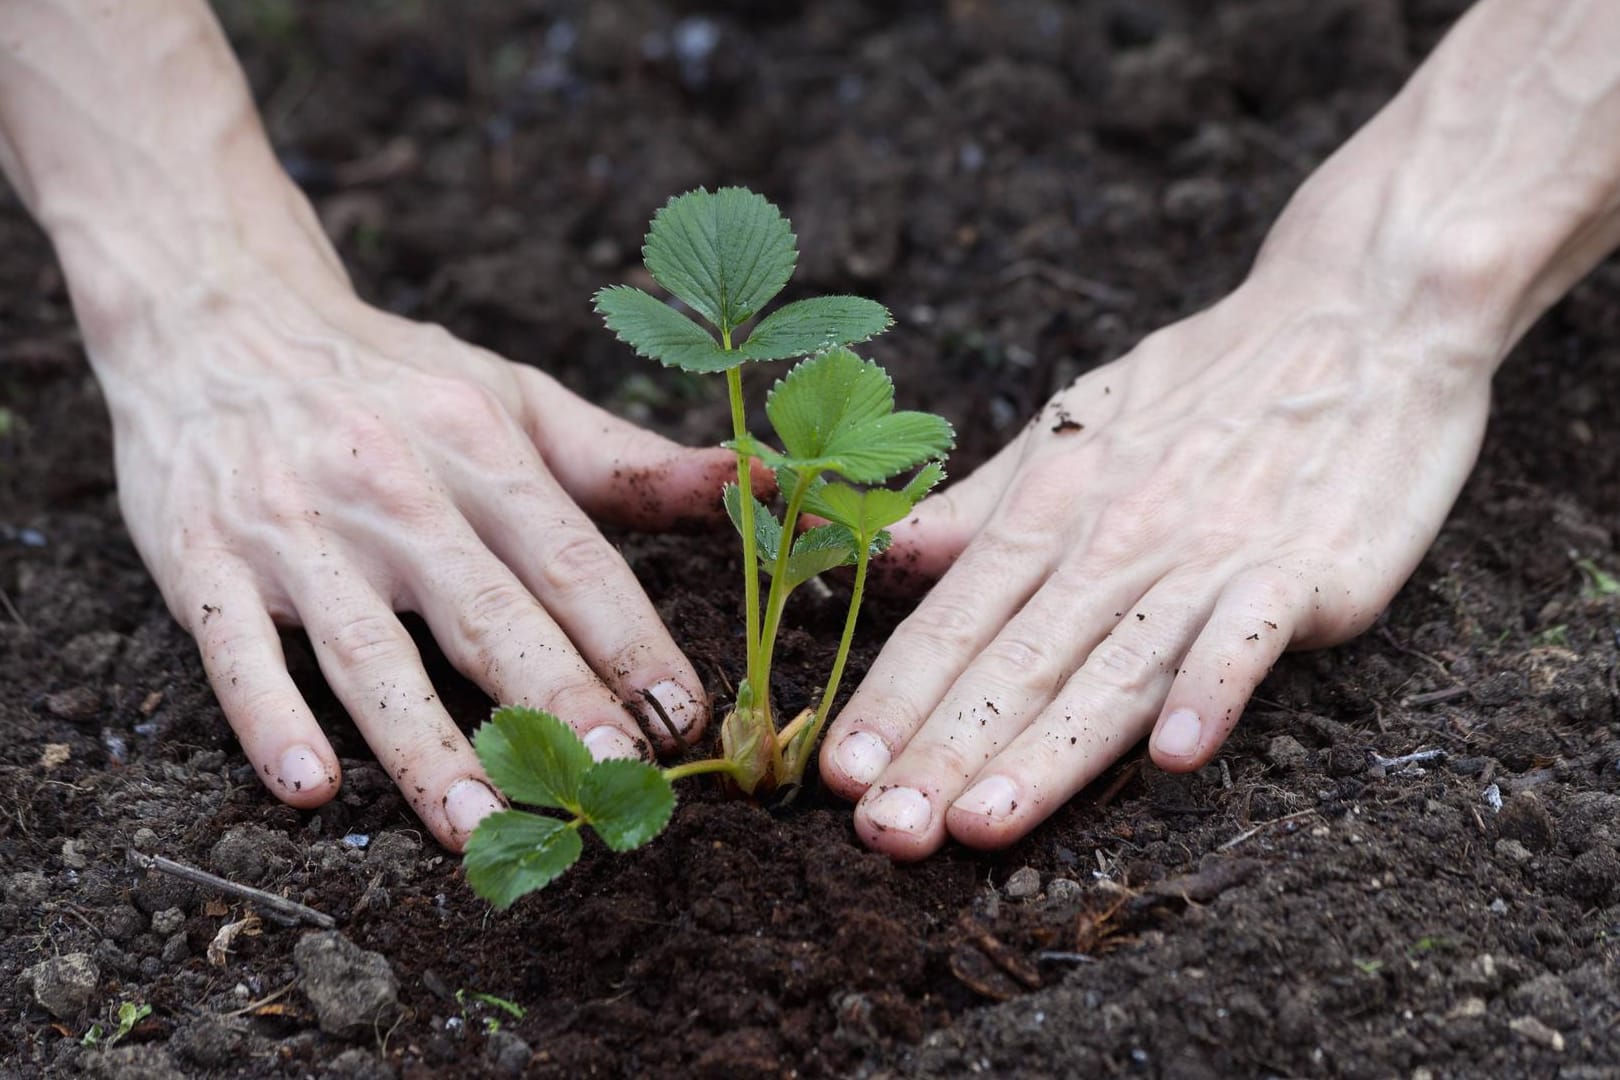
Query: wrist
[[126, 266], [1480, 195]]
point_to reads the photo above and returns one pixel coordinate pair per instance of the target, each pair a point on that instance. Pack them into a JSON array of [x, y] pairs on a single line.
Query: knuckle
[[947, 759], [1121, 666], [944, 626], [489, 616], [581, 702], [1041, 498], [1019, 659], [1125, 530], [365, 641], [1270, 590], [468, 409], [579, 559], [278, 495]]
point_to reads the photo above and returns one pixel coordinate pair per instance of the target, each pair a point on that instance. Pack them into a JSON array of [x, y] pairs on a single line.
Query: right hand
[[326, 465]]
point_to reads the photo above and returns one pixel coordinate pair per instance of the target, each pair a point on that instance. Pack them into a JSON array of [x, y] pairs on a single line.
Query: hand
[[326, 466], [1262, 476]]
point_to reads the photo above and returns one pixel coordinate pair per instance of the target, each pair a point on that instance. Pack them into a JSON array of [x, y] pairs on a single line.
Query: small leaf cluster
[[835, 413], [725, 255], [535, 758]]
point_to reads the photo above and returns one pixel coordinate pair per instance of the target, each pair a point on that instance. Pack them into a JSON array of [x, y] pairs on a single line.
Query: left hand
[[1261, 476]]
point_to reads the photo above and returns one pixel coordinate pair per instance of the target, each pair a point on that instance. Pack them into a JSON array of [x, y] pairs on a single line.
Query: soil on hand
[[1031, 187]]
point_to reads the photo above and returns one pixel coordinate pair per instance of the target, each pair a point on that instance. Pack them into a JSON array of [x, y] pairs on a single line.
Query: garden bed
[[1030, 187]]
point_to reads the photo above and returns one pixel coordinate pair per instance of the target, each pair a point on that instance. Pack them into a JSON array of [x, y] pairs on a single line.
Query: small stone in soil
[[1533, 1030], [1513, 851], [1061, 890], [1024, 883], [1285, 752], [142, 1061], [74, 703], [64, 985], [167, 921], [357, 1064], [507, 1053], [1525, 819], [353, 990]]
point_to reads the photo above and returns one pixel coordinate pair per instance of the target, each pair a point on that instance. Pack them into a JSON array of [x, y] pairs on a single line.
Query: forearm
[[129, 132], [1484, 191]]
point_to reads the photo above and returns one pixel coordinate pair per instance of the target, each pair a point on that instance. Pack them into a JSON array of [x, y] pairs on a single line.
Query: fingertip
[[303, 775], [674, 712], [466, 802], [852, 761], [1181, 741], [987, 815], [899, 821]]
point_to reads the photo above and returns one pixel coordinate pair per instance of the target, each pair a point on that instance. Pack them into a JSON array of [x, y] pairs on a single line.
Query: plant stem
[[698, 768], [777, 599], [745, 500], [862, 558]]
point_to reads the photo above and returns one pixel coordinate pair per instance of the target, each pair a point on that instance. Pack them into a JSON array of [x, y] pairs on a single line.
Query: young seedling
[[725, 255]]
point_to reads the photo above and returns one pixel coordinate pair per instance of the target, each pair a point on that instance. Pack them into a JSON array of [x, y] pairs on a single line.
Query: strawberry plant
[[725, 255]]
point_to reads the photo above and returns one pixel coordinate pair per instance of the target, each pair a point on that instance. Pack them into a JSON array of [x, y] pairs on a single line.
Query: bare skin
[[289, 456], [1262, 476]]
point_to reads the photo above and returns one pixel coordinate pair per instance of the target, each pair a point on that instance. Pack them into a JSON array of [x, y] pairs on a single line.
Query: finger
[[488, 621], [241, 653], [373, 667], [495, 632], [1108, 705], [1005, 687], [929, 649], [622, 473], [931, 539], [1256, 618]]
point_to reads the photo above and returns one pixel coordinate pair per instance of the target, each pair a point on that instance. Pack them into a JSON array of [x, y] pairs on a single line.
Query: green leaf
[[767, 529], [627, 802], [810, 326], [512, 853], [725, 253], [835, 412], [927, 478], [533, 757], [864, 513], [659, 332], [817, 550]]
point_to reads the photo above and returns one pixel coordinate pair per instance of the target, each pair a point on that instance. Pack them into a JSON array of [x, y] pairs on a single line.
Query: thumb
[[619, 472]]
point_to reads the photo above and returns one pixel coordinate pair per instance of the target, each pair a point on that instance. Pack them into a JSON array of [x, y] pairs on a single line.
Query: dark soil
[[1031, 187]]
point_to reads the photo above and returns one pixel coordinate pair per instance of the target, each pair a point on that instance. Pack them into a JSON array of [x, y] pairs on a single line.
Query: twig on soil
[[1247, 833], [261, 1003], [278, 908], [1433, 697], [11, 609], [1417, 757], [1066, 280]]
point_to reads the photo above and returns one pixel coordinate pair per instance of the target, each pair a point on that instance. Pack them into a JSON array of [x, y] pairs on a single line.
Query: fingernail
[[608, 741], [994, 797], [302, 769], [468, 802], [678, 705], [902, 808], [862, 757], [1178, 736]]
